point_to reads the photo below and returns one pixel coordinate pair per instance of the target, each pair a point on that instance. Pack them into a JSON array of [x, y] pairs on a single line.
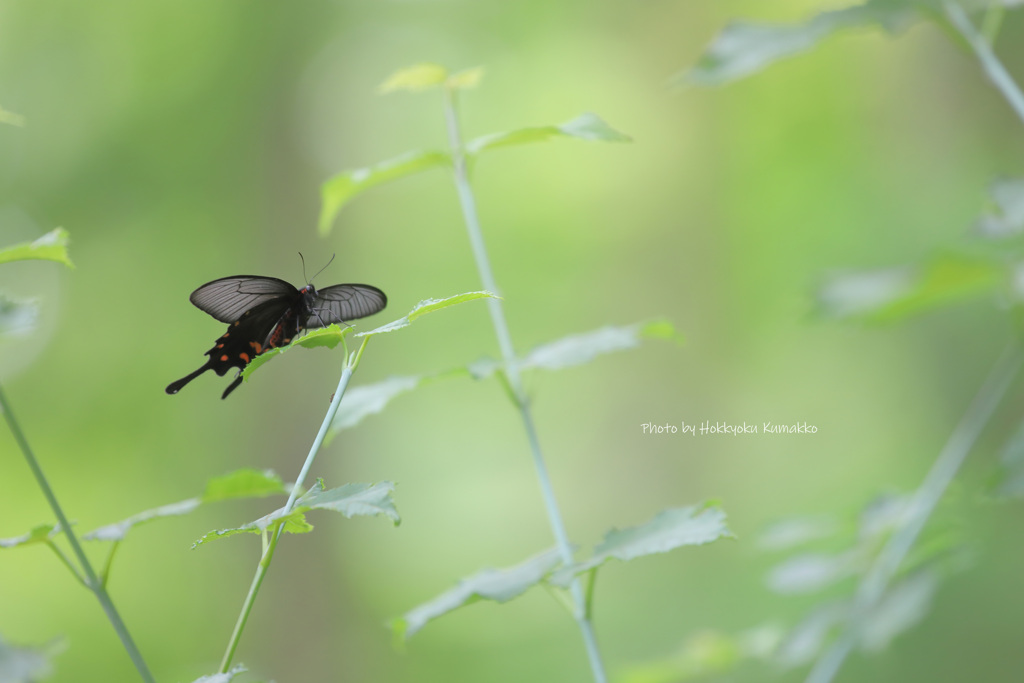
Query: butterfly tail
[[231, 387], [175, 387]]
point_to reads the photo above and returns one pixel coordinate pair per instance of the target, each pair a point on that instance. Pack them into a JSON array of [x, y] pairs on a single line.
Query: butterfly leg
[[316, 312]]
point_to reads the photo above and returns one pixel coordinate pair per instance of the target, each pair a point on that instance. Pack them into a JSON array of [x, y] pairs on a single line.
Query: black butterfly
[[265, 313]]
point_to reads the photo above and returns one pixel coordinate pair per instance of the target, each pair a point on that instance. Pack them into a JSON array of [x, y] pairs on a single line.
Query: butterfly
[[264, 313]]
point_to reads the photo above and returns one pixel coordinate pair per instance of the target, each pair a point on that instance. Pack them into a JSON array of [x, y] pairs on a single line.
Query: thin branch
[[91, 581], [511, 367], [885, 566], [269, 547], [994, 69], [66, 562], [105, 574]]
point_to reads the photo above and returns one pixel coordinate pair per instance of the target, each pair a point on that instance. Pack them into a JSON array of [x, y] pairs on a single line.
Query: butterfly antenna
[[324, 268], [303, 267]]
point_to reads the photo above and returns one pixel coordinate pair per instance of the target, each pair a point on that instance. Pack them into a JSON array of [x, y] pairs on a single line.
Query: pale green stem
[[511, 366], [105, 574], [885, 566], [994, 69], [67, 563], [91, 581], [882, 571], [268, 550]]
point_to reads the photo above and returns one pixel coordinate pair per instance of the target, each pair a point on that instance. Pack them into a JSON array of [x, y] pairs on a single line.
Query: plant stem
[[66, 561], [885, 566], [994, 69], [91, 581], [511, 364], [105, 574], [268, 551]]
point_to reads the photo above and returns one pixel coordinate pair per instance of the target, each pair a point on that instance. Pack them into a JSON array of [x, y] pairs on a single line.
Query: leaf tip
[[399, 633], [9, 117], [415, 78], [662, 329], [465, 79]]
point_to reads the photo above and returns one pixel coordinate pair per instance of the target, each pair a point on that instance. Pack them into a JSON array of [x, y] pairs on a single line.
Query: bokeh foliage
[[179, 143]]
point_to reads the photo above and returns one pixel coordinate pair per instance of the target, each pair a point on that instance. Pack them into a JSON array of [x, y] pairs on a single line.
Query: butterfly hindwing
[[260, 328], [268, 325]]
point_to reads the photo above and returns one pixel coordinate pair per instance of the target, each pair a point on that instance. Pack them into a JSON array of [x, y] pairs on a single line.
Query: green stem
[[91, 581], [591, 584], [993, 68], [268, 552], [105, 574], [511, 366], [67, 563], [885, 566], [250, 600]]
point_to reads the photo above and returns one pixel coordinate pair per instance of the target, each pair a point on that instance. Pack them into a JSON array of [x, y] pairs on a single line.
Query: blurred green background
[[181, 142]]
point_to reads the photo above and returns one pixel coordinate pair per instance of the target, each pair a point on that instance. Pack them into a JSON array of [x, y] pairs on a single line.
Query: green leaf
[[670, 529], [660, 329], [13, 119], [329, 337], [27, 664], [582, 348], [222, 678], [811, 572], [53, 246], [337, 191], [743, 48], [333, 335], [895, 294], [1007, 215], [360, 402], [902, 607], [762, 642], [415, 78], [796, 531], [499, 585], [466, 79], [584, 127], [424, 307], [294, 523], [883, 515], [350, 500], [806, 641], [118, 530], [39, 534], [243, 483], [17, 317]]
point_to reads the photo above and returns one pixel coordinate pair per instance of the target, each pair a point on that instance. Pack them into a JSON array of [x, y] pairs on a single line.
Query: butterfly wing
[[341, 303], [264, 326], [228, 298]]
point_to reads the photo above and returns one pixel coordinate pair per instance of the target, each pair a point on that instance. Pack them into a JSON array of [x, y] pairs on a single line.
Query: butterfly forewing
[[228, 298], [341, 303]]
